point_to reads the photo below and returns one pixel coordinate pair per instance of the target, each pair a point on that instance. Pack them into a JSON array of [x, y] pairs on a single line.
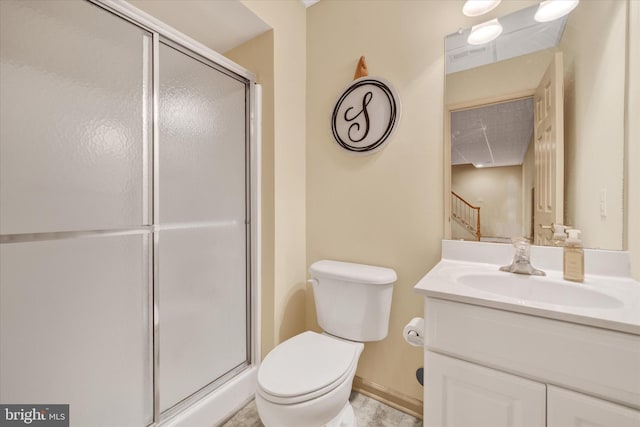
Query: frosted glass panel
[[74, 328], [202, 141], [202, 307], [75, 87]]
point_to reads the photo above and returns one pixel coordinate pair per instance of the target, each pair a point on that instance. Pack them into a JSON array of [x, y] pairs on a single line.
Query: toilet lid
[[305, 363]]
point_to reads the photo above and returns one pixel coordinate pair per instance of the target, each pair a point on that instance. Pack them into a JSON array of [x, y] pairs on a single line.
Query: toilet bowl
[[306, 380]]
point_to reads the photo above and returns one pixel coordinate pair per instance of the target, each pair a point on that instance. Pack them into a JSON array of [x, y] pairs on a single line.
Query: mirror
[[490, 129]]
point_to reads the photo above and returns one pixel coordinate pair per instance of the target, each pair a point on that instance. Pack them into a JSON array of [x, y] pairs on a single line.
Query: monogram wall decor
[[366, 115]]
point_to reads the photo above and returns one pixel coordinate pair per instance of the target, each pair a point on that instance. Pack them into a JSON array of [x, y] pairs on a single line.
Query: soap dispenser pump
[[573, 257], [559, 234]]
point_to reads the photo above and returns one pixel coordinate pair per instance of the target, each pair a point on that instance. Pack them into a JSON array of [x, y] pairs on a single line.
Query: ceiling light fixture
[[485, 32], [550, 10], [479, 7]]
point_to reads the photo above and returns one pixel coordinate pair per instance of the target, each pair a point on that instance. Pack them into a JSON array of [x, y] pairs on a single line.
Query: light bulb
[[550, 10], [485, 32], [479, 7]]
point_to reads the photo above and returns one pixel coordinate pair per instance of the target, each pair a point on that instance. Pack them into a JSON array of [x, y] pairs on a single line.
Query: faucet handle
[[522, 245], [519, 241], [521, 260]]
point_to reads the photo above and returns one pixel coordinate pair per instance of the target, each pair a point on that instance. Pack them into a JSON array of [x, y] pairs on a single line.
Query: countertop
[[623, 316]]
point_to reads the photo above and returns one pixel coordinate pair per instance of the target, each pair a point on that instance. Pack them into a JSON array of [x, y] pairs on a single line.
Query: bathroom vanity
[[503, 349]]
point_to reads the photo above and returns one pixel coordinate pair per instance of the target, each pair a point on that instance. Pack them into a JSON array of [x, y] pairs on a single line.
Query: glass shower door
[[124, 225], [75, 238], [201, 212]]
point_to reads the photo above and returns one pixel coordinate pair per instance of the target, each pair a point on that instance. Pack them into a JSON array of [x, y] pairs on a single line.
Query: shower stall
[[128, 217]]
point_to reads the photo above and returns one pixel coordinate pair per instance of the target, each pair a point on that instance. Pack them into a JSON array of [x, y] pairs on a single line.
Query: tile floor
[[369, 413]]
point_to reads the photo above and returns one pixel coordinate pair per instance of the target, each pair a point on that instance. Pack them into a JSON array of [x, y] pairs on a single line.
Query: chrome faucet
[[521, 260]]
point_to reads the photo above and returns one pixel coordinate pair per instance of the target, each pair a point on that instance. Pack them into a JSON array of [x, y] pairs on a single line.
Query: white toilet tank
[[353, 301]]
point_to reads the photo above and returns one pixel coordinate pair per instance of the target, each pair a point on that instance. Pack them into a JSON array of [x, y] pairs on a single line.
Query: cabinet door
[[461, 394], [568, 408]]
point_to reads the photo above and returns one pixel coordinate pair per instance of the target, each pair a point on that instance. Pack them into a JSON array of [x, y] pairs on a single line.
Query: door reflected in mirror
[[538, 139]]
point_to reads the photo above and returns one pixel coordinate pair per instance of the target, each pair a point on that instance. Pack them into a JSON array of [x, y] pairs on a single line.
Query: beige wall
[[594, 121], [504, 78], [498, 194], [257, 55], [384, 209], [288, 20]]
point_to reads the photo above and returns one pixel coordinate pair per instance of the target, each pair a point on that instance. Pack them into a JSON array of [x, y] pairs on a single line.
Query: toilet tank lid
[[351, 272]]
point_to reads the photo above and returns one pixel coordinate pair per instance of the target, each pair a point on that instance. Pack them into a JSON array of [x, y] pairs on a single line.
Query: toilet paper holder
[[413, 332]]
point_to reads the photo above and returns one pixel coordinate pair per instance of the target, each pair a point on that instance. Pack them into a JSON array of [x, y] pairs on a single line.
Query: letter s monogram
[[358, 125], [366, 99]]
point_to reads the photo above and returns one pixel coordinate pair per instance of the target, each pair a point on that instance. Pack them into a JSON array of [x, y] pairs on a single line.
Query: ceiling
[[308, 3], [220, 25], [521, 35], [492, 135]]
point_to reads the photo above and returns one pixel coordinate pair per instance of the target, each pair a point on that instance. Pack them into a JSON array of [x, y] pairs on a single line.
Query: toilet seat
[[314, 364]]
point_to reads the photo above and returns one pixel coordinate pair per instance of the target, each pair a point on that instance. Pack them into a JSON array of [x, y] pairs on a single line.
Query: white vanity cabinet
[[494, 368], [568, 408], [462, 394]]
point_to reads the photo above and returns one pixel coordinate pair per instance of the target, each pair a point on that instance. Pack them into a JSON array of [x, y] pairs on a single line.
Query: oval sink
[[538, 289]]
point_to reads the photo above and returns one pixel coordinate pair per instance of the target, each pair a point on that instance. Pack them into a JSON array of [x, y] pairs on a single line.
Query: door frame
[[466, 105]]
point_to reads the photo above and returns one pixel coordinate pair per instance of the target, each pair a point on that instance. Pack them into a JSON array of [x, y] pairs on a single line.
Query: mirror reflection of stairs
[[465, 214]]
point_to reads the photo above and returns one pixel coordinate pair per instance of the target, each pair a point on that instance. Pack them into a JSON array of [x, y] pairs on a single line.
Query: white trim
[[256, 224]]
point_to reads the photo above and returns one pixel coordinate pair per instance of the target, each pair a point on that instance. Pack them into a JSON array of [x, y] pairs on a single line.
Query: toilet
[[306, 380]]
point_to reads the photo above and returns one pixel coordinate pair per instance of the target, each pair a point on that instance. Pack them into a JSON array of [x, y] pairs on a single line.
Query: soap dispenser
[[573, 259]]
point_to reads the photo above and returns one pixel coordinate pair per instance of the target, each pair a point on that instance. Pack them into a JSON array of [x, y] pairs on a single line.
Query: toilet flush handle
[[313, 282]]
